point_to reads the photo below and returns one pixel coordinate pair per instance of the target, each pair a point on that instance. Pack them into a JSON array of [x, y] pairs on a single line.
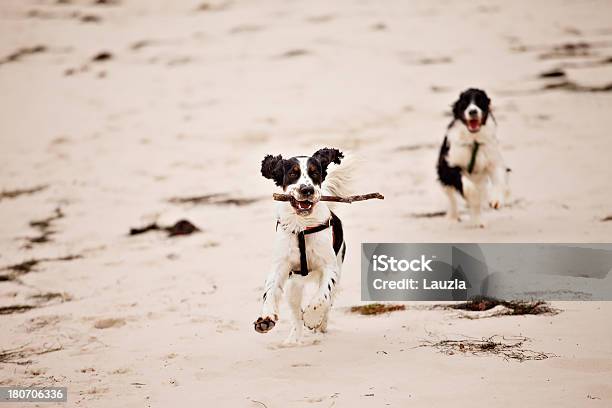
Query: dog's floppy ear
[[326, 156], [489, 111], [272, 168], [456, 112], [457, 106]]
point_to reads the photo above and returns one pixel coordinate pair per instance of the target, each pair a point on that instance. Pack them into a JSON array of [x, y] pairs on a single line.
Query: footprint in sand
[[96, 391], [120, 371], [108, 323], [40, 322], [303, 343]]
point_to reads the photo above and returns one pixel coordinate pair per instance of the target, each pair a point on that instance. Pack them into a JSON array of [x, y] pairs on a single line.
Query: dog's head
[[472, 108], [301, 176]]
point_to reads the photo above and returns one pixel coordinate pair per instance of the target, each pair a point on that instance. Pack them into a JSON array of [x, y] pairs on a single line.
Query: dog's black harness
[[472, 162], [337, 238]]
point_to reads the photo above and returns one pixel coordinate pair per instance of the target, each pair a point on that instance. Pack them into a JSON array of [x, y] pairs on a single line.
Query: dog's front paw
[[265, 324], [496, 199], [314, 314], [496, 203]]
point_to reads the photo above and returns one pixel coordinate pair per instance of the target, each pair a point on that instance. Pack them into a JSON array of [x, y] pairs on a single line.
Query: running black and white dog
[[310, 245], [470, 161]]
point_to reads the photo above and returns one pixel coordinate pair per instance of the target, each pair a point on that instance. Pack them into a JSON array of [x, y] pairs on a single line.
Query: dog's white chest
[[462, 155], [480, 149], [318, 250]]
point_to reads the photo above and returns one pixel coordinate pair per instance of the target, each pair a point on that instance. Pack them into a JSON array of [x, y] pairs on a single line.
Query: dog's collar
[[302, 243]]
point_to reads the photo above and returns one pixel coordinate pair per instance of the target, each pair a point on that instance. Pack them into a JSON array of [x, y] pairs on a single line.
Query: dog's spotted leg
[[315, 313], [271, 297], [318, 309], [323, 326]]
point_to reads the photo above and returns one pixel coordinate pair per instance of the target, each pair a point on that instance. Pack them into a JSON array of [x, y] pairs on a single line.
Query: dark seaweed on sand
[[5, 194], [376, 309], [182, 227], [516, 307], [30, 265], [214, 199], [508, 348]]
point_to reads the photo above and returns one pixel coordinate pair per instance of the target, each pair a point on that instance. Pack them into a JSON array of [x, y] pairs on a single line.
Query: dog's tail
[[340, 178]]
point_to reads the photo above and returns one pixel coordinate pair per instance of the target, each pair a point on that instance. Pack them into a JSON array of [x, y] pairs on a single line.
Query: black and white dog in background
[[470, 161], [309, 244]]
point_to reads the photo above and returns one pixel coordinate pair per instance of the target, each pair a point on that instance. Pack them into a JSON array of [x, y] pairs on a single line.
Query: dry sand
[[185, 98]]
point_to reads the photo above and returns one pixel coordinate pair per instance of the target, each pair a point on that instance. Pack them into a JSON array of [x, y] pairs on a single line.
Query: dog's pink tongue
[[474, 124], [303, 204]]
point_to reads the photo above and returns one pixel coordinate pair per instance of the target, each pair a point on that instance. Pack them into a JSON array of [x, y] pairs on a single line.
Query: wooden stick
[[348, 200]]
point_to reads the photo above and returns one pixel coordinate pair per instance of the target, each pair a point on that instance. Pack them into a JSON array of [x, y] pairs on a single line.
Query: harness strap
[[303, 261], [302, 244], [473, 158]]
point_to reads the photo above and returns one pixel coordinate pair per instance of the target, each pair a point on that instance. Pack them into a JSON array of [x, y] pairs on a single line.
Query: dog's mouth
[[473, 125], [302, 207]]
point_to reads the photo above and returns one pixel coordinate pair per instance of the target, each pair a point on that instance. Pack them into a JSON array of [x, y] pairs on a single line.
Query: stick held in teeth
[[348, 200]]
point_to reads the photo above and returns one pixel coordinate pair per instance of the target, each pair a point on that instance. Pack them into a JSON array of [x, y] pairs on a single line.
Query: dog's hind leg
[[323, 326], [333, 290], [295, 290], [316, 312]]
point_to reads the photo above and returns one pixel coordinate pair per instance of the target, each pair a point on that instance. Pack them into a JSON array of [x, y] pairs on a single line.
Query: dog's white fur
[[488, 180], [325, 266]]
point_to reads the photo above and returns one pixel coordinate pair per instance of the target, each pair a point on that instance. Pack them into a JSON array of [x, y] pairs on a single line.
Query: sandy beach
[[116, 113]]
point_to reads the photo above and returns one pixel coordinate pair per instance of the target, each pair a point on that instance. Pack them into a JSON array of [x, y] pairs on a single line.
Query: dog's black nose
[[306, 190], [473, 112]]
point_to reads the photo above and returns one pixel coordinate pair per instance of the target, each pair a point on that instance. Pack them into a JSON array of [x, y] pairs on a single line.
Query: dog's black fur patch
[[338, 233], [448, 175], [271, 168], [283, 171], [325, 157], [315, 171], [292, 171]]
